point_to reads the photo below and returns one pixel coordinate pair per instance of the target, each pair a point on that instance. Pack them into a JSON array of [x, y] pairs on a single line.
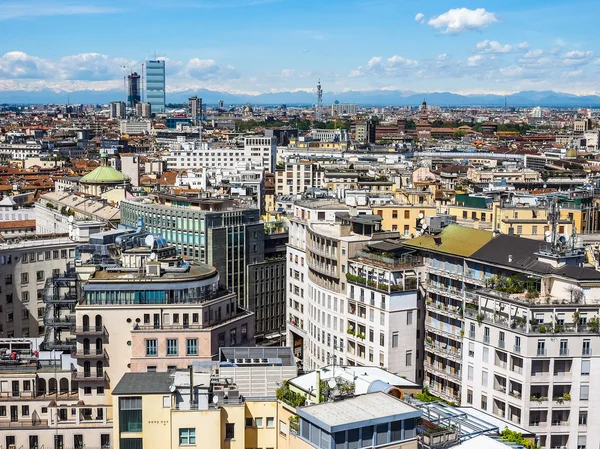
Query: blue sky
[[254, 46]]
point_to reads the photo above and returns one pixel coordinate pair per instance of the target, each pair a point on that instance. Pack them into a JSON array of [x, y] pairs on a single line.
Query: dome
[[104, 174]]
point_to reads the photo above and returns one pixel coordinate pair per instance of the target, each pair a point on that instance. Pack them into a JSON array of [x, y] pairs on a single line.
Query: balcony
[[501, 344], [23, 424], [444, 273], [564, 352], [444, 373], [444, 290], [542, 352], [438, 328], [90, 330], [486, 339], [444, 309], [517, 349], [91, 354], [329, 252], [586, 352], [438, 349], [323, 269], [69, 298], [62, 323], [90, 376]]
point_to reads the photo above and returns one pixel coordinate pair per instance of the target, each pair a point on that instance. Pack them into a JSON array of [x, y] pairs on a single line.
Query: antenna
[[319, 101]]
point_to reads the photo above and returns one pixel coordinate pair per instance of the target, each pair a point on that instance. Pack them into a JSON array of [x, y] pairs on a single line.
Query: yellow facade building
[[403, 218]]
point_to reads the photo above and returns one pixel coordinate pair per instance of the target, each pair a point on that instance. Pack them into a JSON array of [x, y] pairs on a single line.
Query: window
[[151, 347], [187, 436], [406, 214], [87, 390], [33, 442], [408, 358], [381, 339], [230, 428], [581, 441], [585, 367], [584, 392], [270, 423], [583, 415], [283, 428], [409, 318], [172, 346], [25, 296], [249, 422], [232, 337], [258, 422], [470, 397], [192, 346], [78, 441], [8, 279], [471, 349], [484, 378], [586, 348], [130, 414], [40, 276], [100, 390], [2, 410], [244, 332], [395, 340], [483, 402], [485, 354], [470, 372], [24, 278], [25, 410]]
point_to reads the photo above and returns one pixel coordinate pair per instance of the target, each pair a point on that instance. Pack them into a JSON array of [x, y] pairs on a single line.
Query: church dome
[[104, 174]]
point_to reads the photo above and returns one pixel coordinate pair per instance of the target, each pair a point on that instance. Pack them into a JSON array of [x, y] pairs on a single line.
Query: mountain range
[[368, 98]]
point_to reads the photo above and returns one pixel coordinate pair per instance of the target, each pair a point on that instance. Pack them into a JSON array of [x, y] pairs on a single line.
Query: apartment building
[[24, 268], [39, 404], [297, 177], [404, 218], [512, 329], [342, 308], [148, 310], [262, 151]]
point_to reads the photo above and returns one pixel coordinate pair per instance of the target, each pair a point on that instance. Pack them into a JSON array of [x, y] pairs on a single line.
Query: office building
[[133, 91], [343, 109], [512, 329], [136, 127], [156, 86], [262, 151], [118, 110], [143, 110], [212, 231], [195, 108]]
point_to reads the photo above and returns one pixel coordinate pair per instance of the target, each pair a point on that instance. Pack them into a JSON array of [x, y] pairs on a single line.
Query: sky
[[258, 46]]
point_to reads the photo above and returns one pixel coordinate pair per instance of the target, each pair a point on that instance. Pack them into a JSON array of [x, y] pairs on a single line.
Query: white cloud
[[19, 65], [475, 61], [25, 9], [487, 46], [459, 20], [577, 54], [208, 69], [94, 67], [420, 18], [533, 54], [393, 66], [523, 46]]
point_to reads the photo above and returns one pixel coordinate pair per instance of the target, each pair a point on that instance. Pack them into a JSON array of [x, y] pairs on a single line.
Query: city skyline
[[270, 46]]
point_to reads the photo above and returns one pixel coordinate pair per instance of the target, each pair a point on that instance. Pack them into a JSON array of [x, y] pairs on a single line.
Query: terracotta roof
[[17, 224]]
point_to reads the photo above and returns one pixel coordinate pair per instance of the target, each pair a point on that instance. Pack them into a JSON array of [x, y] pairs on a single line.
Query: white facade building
[[261, 150], [335, 316]]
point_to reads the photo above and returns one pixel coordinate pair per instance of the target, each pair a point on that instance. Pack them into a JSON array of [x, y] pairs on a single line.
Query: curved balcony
[[323, 269]]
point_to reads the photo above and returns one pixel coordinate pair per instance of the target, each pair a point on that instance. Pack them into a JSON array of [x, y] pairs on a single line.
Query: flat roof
[[284, 353], [143, 383], [197, 271], [367, 409]]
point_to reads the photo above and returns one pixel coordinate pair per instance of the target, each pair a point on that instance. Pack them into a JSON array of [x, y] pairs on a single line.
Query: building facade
[[156, 86]]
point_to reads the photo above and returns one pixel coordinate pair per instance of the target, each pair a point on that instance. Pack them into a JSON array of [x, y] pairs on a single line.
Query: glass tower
[[155, 85]]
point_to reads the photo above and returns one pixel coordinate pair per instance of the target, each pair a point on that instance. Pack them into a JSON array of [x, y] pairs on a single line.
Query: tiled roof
[[454, 239]]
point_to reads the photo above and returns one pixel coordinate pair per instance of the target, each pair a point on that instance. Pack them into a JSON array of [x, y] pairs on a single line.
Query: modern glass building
[[155, 85]]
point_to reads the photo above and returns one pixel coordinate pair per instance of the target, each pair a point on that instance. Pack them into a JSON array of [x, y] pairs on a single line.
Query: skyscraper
[[133, 97], [155, 85], [195, 108]]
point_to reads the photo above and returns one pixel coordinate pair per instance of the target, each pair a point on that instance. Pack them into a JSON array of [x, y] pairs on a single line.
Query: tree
[[460, 133]]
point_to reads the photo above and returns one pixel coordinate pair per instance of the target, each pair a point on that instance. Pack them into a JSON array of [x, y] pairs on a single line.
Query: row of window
[[37, 256], [59, 441]]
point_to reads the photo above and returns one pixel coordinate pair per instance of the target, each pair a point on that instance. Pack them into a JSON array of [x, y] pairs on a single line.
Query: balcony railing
[[454, 354], [91, 354], [65, 322], [90, 330], [542, 352], [564, 351], [586, 351], [501, 344], [91, 376], [24, 423], [445, 373], [517, 349], [323, 269]]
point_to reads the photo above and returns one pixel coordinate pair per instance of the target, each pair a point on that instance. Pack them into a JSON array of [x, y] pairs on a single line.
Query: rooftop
[[197, 271], [143, 383], [104, 174], [367, 409], [454, 239]]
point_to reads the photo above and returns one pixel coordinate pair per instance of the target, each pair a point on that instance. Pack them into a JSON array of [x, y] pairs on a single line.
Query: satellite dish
[[547, 233], [153, 256], [421, 221], [172, 388], [424, 226], [562, 239], [332, 383], [215, 399], [149, 241], [421, 215]]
